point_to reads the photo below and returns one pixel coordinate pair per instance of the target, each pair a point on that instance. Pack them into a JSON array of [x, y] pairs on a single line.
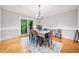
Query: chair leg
[[40, 43], [60, 36], [29, 38], [48, 44], [37, 42], [33, 40], [51, 41]]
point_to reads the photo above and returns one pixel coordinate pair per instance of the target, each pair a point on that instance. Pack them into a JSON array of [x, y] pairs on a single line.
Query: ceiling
[[46, 10]]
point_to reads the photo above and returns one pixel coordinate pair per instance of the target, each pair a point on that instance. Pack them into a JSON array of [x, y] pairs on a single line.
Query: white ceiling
[[46, 10]]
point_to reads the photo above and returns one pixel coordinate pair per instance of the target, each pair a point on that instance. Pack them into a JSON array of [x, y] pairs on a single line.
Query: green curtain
[[25, 24], [30, 23]]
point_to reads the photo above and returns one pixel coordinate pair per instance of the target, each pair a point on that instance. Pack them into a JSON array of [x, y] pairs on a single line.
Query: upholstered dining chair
[[30, 34], [50, 35], [35, 36], [37, 39], [51, 31], [47, 39], [76, 38], [58, 33]]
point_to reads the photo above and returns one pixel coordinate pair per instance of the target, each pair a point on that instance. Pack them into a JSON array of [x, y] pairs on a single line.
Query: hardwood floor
[[13, 46], [69, 45]]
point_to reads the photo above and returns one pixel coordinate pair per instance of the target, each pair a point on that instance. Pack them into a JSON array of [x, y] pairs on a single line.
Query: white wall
[[66, 21], [11, 24], [78, 18], [0, 23]]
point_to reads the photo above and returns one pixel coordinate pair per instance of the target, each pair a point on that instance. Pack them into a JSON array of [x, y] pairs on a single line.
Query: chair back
[[30, 33], [59, 30], [51, 31], [35, 35]]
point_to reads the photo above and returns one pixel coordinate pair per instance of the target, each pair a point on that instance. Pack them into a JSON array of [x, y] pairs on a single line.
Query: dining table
[[45, 35], [42, 32]]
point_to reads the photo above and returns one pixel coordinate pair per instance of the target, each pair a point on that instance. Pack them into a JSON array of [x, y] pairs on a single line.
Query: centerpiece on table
[[39, 27]]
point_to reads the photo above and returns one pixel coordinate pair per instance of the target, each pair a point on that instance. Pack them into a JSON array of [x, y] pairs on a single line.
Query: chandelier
[[39, 16]]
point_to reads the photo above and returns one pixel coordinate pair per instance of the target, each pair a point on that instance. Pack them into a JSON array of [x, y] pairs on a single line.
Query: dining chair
[[37, 39], [50, 35], [58, 33], [51, 31], [40, 41], [30, 34], [35, 36], [76, 38], [47, 39]]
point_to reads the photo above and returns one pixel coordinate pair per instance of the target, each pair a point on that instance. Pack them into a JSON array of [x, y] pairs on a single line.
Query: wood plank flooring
[[69, 45], [13, 46]]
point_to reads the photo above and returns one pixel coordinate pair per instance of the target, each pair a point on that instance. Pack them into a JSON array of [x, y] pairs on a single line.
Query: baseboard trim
[[6, 39], [63, 37]]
